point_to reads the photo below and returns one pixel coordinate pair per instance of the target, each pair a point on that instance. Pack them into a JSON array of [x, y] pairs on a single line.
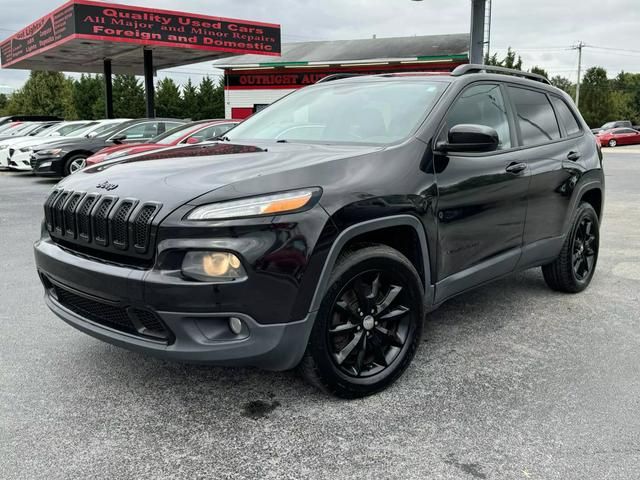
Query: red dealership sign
[[91, 20], [288, 78]]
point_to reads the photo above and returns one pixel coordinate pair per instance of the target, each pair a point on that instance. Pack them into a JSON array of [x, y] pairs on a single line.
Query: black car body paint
[[462, 219]]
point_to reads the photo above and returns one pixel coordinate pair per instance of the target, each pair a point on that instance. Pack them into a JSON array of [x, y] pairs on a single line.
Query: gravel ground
[[512, 381]]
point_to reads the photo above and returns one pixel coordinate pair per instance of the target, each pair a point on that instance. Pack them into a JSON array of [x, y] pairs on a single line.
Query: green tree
[[628, 86], [595, 97], [44, 93], [168, 99], [190, 102], [511, 60], [128, 97], [539, 71], [211, 98], [564, 84], [88, 91], [3, 103]]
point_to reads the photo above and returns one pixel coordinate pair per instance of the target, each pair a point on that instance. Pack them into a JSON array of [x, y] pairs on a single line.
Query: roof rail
[[474, 68], [337, 76]]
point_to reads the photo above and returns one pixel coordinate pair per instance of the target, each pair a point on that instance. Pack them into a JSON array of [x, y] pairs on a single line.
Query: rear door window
[[535, 117], [566, 117]]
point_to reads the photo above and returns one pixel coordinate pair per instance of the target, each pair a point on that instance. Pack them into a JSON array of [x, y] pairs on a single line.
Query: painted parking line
[[621, 150]]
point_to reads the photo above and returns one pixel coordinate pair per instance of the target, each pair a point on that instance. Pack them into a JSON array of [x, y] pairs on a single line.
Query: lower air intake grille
[[135, 321]]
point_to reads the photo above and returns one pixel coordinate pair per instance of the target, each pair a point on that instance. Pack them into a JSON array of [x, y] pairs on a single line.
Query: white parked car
[[17, 155], [9, 145]]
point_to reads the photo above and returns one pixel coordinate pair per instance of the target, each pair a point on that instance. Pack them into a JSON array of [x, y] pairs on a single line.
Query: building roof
[[366, 51]]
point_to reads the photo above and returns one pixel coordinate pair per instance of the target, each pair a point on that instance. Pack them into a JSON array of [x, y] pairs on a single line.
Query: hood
[[10, 141], [31, 141], [64, 142], [176, 175], [117, 148]]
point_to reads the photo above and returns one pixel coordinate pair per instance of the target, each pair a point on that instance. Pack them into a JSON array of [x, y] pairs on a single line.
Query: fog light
[[235, 325], [212, 266]]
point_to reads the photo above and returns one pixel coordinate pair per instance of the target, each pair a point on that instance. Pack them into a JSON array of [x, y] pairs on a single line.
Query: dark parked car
[[323, 228], [69, 155]]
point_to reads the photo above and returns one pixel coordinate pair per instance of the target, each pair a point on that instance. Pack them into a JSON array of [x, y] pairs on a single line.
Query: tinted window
[[566, 117], [535, 116], [213, 132], [482, 105], [142, 131], [625, 130]]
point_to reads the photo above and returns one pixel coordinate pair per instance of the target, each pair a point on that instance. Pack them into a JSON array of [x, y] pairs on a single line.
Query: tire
[[352, 354], [567, 273], [72, 164], [613, 143]]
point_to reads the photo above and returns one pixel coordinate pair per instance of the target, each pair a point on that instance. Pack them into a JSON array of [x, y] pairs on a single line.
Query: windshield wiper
[[282, 140]]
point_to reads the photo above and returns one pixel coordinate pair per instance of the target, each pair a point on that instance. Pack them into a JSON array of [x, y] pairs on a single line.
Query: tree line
[[53, 93], [602, 99]]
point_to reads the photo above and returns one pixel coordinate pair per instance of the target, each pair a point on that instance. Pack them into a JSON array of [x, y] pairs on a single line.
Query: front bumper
[[20, 161], [47, 166], [196, 334]]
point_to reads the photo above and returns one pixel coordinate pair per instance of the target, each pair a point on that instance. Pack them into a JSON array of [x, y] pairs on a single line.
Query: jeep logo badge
[[107, 186]]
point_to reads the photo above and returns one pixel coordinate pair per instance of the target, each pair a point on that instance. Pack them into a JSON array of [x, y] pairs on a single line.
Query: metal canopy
[[79, 35], [98, 37]]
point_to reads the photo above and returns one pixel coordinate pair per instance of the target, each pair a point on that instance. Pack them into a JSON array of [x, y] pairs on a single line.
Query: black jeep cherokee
[[322, 229]]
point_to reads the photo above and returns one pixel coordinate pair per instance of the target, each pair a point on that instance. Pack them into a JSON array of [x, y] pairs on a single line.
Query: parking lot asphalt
[[512, 381]]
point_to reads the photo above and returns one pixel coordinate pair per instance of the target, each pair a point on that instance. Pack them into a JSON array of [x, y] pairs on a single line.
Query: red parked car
[[619, 136], [190, 133]]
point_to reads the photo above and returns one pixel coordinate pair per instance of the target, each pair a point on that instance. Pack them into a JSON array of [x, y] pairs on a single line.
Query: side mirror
[[118, 139], [92, 135], [470, 138], [193, 140], [55, 134]]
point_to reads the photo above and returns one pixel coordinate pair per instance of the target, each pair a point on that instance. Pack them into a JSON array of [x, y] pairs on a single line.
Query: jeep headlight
[[52, 152], [212, 266], [274, 204]]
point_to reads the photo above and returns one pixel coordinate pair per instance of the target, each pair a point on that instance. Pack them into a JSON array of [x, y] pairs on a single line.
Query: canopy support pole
[[478, 12], [148, 83], [108, 89]]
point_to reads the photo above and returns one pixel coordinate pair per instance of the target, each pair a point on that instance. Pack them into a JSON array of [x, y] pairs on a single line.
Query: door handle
[[516, 168], [573, 156]]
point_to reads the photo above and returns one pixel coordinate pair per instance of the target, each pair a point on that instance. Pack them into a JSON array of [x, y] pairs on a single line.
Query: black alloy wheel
[[369, 324], [574, 268], [585, 244]]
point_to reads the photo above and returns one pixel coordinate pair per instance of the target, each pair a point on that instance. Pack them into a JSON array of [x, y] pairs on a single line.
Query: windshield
[[172, 136], [609, 125], [375, 112], [23, 129]]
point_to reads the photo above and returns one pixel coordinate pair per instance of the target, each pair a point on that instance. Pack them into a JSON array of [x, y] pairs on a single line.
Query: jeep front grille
[[102, 225]]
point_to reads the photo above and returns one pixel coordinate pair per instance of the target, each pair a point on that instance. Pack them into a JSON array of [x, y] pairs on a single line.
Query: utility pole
[[580, 46]]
